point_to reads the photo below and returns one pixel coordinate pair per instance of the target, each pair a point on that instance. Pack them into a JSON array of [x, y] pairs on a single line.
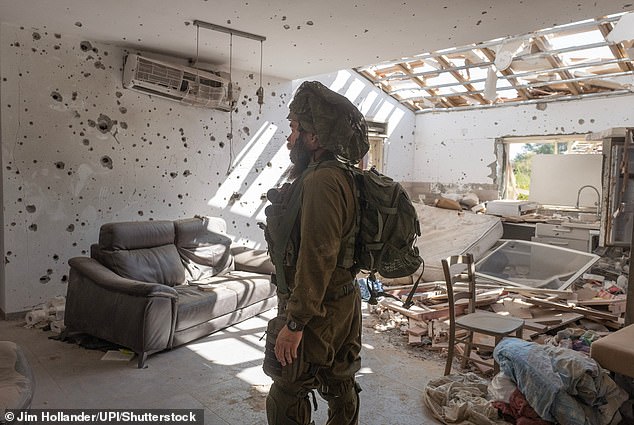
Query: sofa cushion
[[160, 264], [135, 235], [140, 250], [252, 260], [203, 246], [220, 295]]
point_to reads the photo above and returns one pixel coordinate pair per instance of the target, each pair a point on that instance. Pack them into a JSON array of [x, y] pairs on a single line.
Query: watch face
[[293, 325]]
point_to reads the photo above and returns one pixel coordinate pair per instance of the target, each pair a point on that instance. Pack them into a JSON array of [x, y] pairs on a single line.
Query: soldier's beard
[[300, 157]]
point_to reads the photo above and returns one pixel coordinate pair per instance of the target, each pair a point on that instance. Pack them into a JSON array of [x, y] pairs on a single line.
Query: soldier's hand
[[286, 345]]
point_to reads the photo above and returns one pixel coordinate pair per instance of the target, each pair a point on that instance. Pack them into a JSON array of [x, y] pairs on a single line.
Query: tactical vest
[[282, 231]]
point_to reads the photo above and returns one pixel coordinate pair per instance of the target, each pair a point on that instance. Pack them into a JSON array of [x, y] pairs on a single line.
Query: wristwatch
[[293, 326]]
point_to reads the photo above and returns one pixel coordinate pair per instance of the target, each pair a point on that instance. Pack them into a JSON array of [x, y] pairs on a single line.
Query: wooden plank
[[587, 312], [419, 312]]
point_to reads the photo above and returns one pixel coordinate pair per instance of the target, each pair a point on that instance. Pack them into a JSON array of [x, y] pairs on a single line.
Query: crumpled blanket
[[461, 399], [562, 385], [519, 411]]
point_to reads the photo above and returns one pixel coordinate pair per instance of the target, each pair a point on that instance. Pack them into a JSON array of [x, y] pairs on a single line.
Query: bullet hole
[[187, 173], [534, 118], [229, 136], [45, 279], [33, 227], [85, 46], [70, 228], [221, 144], [92, 123], [592, 120], [30, 208], [581, 121], [246, 130], [64, 278], [36, 36], [212, 138], [287, 27], [269, 164], [99, 65], [479, 22], [309, 22], [123, 125], [118, 94], [56, 96], [58, 35], [55, 257], [104, 123], [173, 174], [78, 24], [6, 260], [140, 213], [106, 162], [541, 106], [123, 109], [60, 165], [85, 142]]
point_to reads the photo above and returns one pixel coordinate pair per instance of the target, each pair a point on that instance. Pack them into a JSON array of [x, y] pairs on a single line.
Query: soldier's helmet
[[339, 125]]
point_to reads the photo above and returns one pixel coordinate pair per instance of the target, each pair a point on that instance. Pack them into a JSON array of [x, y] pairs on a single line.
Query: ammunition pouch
[[271, 366]]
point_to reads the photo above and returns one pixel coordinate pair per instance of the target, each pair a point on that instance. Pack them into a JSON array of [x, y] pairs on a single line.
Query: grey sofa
[[154, 285]]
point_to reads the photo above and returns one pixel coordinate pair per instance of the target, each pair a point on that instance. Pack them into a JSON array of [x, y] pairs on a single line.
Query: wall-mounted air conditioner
[[181, 83]]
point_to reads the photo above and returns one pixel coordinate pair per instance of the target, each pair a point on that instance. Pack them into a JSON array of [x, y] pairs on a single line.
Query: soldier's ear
[[313, 141]]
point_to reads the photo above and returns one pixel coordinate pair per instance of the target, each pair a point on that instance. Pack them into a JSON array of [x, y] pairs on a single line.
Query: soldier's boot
[[284, 407], [343, 402]]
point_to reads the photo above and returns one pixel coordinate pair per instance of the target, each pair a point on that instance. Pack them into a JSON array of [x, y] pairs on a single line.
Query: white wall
[[62, 177], [458, 147]]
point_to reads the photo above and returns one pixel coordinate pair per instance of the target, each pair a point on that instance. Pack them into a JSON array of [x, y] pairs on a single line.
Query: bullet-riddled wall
[[79, 150], [455, 151]]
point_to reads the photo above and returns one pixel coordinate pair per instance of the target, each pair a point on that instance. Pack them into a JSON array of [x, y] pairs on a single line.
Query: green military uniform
[[325, 300]]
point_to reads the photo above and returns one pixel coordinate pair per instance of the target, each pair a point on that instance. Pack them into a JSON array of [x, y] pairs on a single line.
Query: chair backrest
[[460, 269]]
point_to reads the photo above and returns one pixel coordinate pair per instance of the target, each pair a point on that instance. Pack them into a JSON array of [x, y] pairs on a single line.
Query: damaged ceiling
[[303, 39], [582, 59]]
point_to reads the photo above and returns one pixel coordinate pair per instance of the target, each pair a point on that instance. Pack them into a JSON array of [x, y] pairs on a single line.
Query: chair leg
[[496, 366], [450, 353], [467, 350], [520, 333]]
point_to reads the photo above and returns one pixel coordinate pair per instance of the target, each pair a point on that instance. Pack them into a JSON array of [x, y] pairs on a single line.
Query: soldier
[[315, 341]]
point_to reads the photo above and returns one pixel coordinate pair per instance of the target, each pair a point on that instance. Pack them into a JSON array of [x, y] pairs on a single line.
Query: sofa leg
[[142, 359]]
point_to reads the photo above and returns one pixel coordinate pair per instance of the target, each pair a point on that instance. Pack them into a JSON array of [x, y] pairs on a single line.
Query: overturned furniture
[[153, 285]]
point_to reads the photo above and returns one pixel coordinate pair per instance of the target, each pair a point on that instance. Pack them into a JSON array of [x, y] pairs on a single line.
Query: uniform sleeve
[[323, 214]]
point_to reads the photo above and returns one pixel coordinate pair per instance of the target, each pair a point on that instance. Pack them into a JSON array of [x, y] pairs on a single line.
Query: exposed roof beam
[[446, 64], [576, 25], [617, 49], [531, 101], [538, 84], [431, 91], [542, 44]]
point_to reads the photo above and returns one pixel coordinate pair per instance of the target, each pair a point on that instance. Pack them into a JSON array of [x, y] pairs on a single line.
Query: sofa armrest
[[138, 315], [107, 279], [252, 260]]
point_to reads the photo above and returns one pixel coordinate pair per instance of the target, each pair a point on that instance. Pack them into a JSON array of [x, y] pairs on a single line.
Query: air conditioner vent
[[177, 82]]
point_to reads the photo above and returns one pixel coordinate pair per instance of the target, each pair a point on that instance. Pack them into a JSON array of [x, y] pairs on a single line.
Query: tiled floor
[[221, 374]]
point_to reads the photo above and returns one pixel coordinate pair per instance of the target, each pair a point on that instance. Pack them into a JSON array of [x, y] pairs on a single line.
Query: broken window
[[550, 170]]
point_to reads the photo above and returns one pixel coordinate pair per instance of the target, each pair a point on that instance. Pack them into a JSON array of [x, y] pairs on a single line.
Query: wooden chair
[[461, 269]]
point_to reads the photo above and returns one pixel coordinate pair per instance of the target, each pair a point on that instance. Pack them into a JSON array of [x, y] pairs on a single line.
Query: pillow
[[203, 246]]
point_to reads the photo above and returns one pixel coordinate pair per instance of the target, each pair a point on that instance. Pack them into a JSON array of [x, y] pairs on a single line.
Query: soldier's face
[[294, 136]]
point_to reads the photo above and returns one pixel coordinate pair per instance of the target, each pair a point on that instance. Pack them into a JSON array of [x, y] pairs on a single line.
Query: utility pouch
[[272, 367]]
